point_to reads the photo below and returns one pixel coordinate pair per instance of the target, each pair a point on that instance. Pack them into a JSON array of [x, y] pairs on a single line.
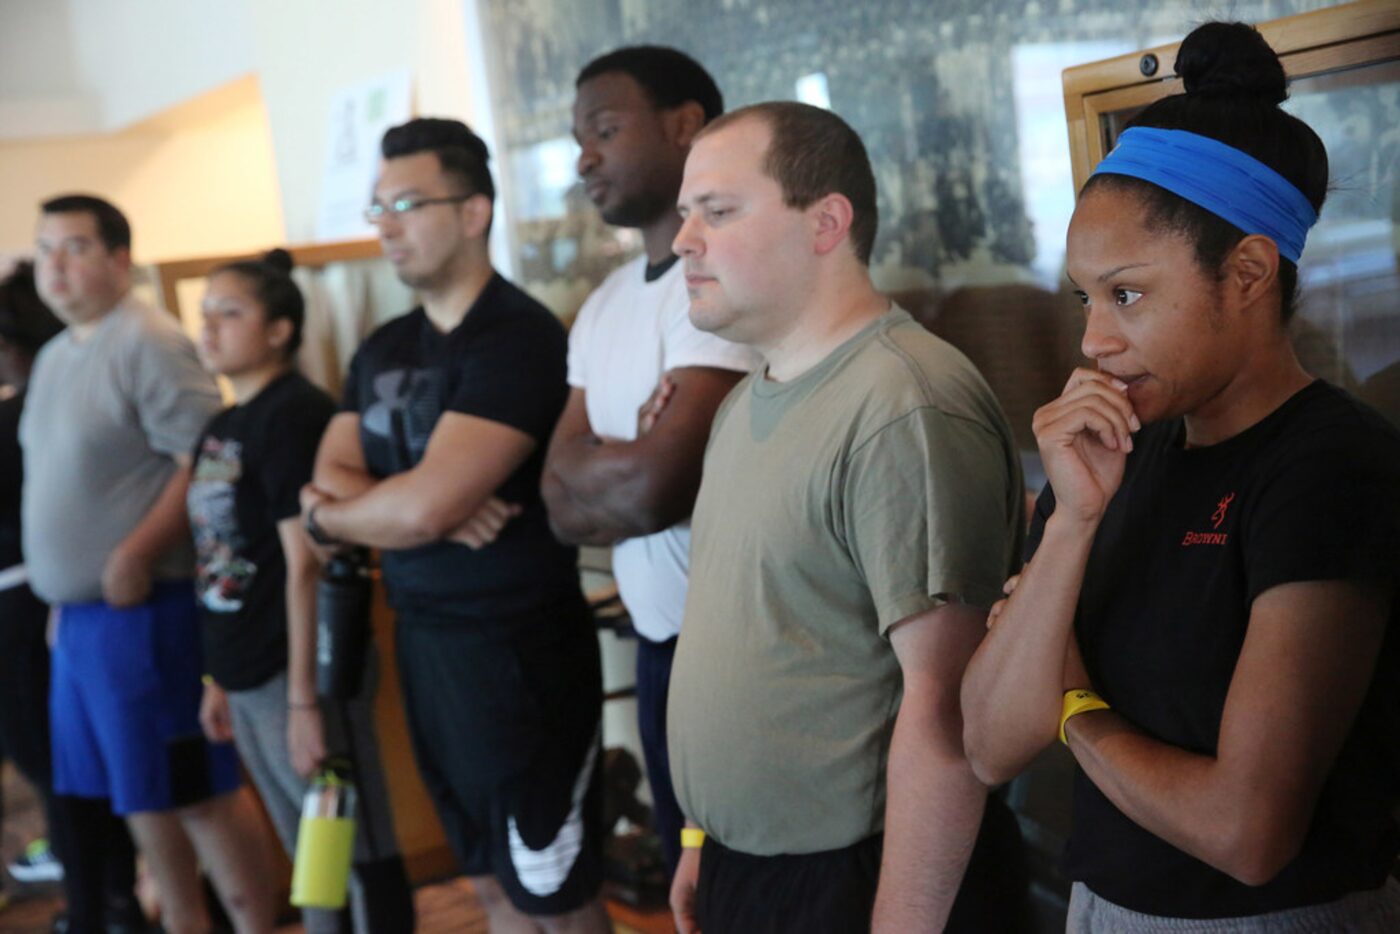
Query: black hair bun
[[1231, 60], [279, 259]]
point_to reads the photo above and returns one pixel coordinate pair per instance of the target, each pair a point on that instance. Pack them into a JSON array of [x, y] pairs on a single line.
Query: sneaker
[[38, 864]]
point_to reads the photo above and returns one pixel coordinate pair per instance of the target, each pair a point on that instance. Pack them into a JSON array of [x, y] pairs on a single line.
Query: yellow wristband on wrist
[[207, 680], [1077, 702], [692, 838]]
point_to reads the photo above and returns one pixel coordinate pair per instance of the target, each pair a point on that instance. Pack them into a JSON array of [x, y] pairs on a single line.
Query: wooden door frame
[[1349, 35]]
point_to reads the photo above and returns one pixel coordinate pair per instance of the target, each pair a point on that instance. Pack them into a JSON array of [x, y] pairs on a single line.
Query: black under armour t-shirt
[[505, 362], [249, 467], [1311, 492]]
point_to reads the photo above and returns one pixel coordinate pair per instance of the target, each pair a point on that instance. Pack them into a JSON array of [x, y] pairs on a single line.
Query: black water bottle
[[342, 624]]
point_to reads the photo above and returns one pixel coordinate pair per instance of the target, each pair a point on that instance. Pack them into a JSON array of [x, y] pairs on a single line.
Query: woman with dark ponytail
[[256, 582], [1208, 617]]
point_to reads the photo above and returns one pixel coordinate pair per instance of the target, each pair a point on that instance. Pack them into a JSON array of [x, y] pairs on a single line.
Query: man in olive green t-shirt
[[860, 509]]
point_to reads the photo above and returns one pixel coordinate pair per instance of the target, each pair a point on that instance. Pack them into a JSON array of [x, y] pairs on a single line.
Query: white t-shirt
[[626, 336]]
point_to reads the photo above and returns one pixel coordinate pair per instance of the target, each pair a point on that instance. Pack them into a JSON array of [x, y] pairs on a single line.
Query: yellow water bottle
[[325, 839]]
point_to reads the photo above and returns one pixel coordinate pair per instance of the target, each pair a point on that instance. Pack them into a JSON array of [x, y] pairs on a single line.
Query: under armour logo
[[409, 399], [1218, 516]]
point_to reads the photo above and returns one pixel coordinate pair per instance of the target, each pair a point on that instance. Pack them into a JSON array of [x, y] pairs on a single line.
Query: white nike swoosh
[[542, 872]]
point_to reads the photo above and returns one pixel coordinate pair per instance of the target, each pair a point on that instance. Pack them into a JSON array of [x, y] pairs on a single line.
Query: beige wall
[[200, 179], [249, 174], [307, 51]]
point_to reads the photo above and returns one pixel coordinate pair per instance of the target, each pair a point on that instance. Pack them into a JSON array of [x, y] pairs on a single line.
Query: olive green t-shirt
[[873, 487]]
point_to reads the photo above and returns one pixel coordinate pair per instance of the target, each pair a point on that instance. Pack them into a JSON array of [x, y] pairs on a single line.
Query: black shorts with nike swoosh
[[505, 718]]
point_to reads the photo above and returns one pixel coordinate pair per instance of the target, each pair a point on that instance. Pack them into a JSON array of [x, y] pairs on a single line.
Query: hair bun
[[279, 259], [1231, 60]]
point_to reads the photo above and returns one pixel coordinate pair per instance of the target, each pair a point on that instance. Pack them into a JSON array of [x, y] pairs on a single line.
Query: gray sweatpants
[[1373, 912], [260, 733]]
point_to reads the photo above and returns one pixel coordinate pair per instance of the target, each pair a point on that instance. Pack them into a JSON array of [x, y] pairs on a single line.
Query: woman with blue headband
[[1208, 615]]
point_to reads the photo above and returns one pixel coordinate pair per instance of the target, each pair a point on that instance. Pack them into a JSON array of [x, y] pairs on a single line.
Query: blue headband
[[1228, 183]]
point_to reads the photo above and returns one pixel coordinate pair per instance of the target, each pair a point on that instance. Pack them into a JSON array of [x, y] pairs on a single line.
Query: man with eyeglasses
[[435, 459]]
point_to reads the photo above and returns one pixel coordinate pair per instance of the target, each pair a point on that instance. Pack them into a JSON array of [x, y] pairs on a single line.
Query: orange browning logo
[[1218, 516]]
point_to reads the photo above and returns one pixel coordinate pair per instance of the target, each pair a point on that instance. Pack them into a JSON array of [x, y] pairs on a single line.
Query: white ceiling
[[89, 66]]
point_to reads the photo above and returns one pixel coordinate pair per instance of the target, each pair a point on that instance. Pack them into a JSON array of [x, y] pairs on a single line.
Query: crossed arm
[[1300, 681], [1307, 660], [600, 491], [466, 460], [1303, 672]]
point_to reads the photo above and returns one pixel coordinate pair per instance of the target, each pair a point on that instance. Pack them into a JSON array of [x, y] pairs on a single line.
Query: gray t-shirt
[[871, 488], [103, 419]]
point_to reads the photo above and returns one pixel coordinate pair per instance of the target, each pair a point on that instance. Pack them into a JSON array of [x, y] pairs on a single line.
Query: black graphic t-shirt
[[1311, 492], [249, 467], [505, 362]]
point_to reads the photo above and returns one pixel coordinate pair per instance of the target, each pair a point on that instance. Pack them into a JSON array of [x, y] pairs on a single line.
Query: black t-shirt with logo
[[249, 467], [1311, 492], [505, 362]]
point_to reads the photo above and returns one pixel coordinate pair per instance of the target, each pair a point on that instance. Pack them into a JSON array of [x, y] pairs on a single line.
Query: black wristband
[[318, 534]]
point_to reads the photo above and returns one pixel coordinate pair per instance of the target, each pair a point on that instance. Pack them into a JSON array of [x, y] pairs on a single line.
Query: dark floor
[[444, 907], [30, 907]]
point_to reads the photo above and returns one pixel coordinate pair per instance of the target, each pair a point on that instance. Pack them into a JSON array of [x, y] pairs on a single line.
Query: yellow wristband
[[692, 838], [1077, 702], [207, 680]]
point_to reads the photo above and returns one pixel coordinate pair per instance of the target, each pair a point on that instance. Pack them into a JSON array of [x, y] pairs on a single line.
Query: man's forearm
[[165, 523], [394, 513], [570, 519], [610, 494], [343, 482], [933, 810]]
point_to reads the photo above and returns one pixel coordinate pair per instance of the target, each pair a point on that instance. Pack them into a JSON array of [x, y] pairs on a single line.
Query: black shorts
[[506, 723], [830, 891], [834, 890]]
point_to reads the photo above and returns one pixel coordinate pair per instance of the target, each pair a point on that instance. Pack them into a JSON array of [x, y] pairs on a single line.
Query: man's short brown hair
[[113, 229], [814, 153]]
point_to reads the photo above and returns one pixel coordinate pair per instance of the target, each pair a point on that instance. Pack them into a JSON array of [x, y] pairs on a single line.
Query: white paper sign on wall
[[359, 115]]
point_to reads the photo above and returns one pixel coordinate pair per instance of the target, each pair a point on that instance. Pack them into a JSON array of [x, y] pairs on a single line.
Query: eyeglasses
[[377, 213]]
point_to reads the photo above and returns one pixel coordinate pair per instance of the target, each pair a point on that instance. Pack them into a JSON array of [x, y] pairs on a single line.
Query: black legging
[[99, 859], [24, 686]]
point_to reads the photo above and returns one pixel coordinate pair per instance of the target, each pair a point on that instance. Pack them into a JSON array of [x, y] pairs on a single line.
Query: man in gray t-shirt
[[859, 510], [113, 413], [114, 408]]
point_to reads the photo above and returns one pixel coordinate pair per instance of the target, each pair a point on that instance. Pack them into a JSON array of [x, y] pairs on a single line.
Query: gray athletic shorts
[[260, 733], [1373, 912]]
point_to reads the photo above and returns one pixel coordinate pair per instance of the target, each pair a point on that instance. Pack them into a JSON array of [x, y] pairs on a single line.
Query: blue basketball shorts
[[124, 704]]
